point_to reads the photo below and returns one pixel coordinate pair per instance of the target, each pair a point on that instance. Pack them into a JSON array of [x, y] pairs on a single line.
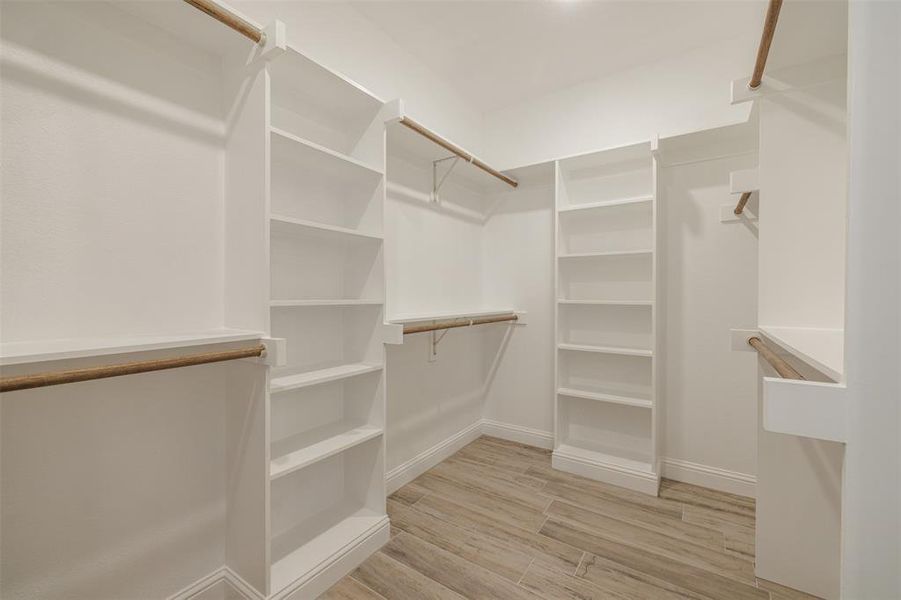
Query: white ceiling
[[496, 53]]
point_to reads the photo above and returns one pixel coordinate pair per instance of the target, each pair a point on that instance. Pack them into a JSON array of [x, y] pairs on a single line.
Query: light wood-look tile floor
[[496, 521]]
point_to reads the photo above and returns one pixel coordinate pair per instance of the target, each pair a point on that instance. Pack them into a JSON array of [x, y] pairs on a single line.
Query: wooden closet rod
[[452, 323], [25, 382], [740, 207], [766, 40], [784, 369], [227, 18], [421, 130]]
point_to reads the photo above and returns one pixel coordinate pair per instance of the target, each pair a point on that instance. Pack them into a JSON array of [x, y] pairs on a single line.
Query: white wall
[[518, 271], [676, 95], [111, 194], [111, 225], [342, 39], [433, 264], [710, 403], [114, 488]]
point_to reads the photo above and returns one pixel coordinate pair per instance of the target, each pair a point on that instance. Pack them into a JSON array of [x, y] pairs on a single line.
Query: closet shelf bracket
[[438, 182]]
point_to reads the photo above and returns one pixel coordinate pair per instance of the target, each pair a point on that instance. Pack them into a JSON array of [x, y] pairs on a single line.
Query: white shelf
[[606, 204], [609, 398], [606, 302], [822, 349], [285, 144], [304, 449], [607, 350], [449, 315], [15, 353], [286, 383], [592, 452], [324, 302], [612, 253], [290, 224], [299, 551]]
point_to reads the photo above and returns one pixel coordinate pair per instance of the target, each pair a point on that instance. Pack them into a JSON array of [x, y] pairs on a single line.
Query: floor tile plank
[[397, 581], [684, 575], [350, 589], [463, 577]]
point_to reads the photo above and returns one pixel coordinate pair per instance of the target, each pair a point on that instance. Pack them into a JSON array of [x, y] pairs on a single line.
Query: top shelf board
[[607, 158], [298, 80], [408, 145], [822, 349], [418, 318], [17, 353]]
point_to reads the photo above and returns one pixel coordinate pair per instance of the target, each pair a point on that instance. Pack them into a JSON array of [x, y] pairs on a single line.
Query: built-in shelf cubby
[[311, 184], [619, 227], [320, 510], [324, 337], [624, 277], [607, 400], [618, 434], [321, 107], [309, 263], [606, 325]]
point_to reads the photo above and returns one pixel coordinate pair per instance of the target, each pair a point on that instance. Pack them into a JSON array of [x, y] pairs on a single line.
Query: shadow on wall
[[429, 402], [60, 58]]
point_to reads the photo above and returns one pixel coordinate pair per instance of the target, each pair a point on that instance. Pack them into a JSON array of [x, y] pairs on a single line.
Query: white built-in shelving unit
[[607, 340], [327, 294]]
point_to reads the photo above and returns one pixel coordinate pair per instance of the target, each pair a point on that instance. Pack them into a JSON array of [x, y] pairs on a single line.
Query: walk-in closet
[[403, 299]]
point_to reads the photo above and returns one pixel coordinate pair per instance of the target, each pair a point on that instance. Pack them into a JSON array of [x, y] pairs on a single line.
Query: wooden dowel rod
[[784, 369], [25, 382], [766, 40], [421, 130], [740, 207], [453, 323], [227, 18]]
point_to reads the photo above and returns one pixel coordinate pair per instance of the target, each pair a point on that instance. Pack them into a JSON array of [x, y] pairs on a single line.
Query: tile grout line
[[581, 560], [519, 581], [352, 573]]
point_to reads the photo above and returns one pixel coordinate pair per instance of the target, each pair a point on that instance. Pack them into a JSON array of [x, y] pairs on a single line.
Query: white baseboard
[[517, 433], [422, 462], [337, 566], [221, 584], [710, 477], [640, 481]]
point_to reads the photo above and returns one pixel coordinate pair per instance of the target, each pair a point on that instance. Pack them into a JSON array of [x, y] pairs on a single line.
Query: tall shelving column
[[607, 402], [327, 295]]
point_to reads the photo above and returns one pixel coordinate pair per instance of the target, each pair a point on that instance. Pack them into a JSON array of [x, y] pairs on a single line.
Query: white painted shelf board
[[822, 349], [610, 398], [309, 447], [449, 315], [612, 253], [606, 350], [15, 353], [324, 302], [606, 302], [289, 224], [301, 550], [285, 144], [596, 453], [284, 383], [606, 204]]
